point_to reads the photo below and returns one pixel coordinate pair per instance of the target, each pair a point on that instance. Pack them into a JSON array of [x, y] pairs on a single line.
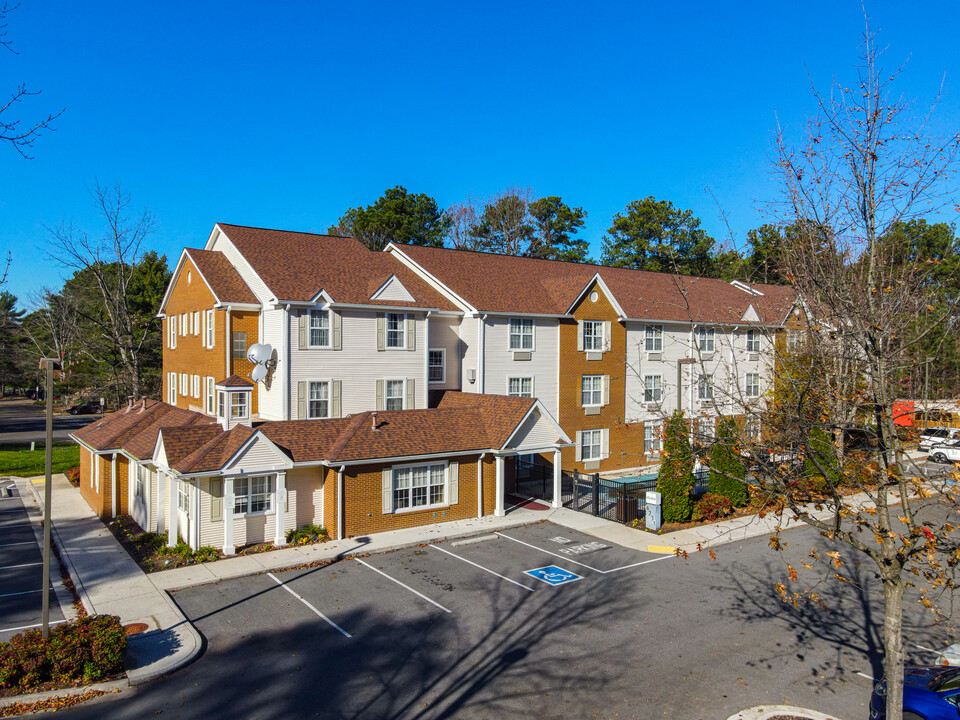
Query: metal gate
[[533, 480]]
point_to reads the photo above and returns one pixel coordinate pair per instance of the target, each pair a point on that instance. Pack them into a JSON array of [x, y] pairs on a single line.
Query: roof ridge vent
[[746, 288]]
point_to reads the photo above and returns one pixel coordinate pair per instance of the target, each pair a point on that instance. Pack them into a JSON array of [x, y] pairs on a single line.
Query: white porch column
[[228, 548], [161, 505], [172, 510], [340, 504], [113, 485], [557, 476], [147, 494], [498, 507], [281, 506], [480, 486], [195, 517]]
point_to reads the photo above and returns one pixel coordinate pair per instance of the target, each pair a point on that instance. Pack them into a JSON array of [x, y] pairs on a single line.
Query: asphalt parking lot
[[21, 569]]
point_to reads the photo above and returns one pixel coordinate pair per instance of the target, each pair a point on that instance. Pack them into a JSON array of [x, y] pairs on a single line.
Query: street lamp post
[[49, 365]]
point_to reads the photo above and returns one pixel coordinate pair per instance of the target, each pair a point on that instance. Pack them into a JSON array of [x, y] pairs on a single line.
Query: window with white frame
[[195, 386], [651, 438], [705, 339], [751, 385], [590, 445], [239, 345], [221, 403], [318, 399], [172, 331], [705, 387], [253, 494], [196, 322], [393, 395], [184, 384], [183, 496], [653, 338], [139, 481], [593, 335], [437, 366], [652, 388], [521, 334], [591, 390], [319, 328], [420, 486], [753, 341], [172, 388], [520, 387], [396, 330], [211, 396], [238, 405], [184, 319], [211, 328]]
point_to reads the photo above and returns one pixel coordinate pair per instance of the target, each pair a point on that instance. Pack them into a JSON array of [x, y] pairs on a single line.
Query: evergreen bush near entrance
[[726, 469], [675, 481], [820, 446]]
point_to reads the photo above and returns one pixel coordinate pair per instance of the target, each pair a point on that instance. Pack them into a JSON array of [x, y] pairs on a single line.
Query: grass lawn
[[19, 460]]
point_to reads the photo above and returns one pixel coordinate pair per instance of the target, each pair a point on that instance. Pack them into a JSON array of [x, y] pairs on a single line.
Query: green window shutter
[[580, 335], [579, 448], [411, 400], [381, 331], [607, 337], [216, 499], [379, 405], [411, 332], [606, 389], [387, 480], [453, 482], [302, 400], [335, 321], [335, 399], [302, 329]]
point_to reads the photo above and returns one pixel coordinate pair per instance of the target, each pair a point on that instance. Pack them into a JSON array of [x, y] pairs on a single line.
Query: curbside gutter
[[770, 712]]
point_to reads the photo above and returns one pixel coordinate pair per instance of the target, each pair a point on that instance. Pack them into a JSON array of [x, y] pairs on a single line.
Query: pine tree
[[726, 469], [675, 481], [821, 457]]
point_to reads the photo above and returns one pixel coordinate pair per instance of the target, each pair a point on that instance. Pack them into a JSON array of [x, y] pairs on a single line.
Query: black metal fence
[[533, 480]]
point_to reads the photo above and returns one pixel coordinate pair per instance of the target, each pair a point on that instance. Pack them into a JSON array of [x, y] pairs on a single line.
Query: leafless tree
[[12, 130], [110, 260], [464, 219]]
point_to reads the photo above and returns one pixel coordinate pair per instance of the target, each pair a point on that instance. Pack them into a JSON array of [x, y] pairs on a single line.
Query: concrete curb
[[113, 685], [767, 712]]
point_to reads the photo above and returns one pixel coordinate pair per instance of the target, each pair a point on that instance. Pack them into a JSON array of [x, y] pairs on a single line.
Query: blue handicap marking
[[553, 575]]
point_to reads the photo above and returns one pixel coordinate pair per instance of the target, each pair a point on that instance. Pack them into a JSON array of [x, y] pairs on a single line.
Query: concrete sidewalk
[[109, 582]]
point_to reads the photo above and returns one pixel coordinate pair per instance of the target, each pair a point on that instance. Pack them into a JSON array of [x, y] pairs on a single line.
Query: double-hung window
[[590, 445], [172, 331], [183, 497], [172, 388], [211, 396], [652, 388], [419, 487], [196, 322], [239, 345], [705, 387], [751, 386], [705, 339], [253, 494], [520, 387], [593, 335], [221, 404], [653, 338], [396, 330], [521, 334], [183, 323], [138, 482], [238, 405], [651, 438], [393, 395], [753, 341], [319, 328], [591, 390], [318, 399], [436, 366], [211, 330]]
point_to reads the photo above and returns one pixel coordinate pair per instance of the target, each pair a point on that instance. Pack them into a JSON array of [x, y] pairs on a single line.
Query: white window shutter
[[453, 482], [411, 332], [302, 400], [335, 398], [606, 389], [381, 331], [411, 400], [203, 329], [579, 457], [580, 335], [216, 499], [387, 490], [605, 443], [379, 405], [607, 334], [336, 324]]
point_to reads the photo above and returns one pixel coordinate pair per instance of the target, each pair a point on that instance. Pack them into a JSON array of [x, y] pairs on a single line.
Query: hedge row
[[87, 649]]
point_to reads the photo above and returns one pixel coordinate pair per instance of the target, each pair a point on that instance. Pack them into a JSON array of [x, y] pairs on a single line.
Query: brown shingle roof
[[222, 276], [296, 266], [508, 284], [215, 451], [235, 381], [135, 428]]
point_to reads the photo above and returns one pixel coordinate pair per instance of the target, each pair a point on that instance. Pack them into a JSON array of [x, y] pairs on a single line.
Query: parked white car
[[947, 453], [937, 436]]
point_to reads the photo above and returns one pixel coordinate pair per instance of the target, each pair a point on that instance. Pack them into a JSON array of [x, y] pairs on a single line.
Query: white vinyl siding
[[444, 335], [500, 362]]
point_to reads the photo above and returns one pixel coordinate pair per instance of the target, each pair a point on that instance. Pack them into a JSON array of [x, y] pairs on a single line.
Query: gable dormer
[[750, 315], [234, 402]]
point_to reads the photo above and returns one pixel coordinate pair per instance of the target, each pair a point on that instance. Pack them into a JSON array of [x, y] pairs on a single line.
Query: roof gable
[[392, 289], [537, 431], [750, 315], [256, 453]]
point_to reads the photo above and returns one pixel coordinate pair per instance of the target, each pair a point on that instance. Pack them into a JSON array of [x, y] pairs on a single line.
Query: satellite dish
[[258, 373], [259, 353]]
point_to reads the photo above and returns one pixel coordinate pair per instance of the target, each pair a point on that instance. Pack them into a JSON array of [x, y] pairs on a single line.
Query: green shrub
[[820, 448], [152, 541], [726, 469], [86, 649], [307, 534], [712, 507], [675, 481]]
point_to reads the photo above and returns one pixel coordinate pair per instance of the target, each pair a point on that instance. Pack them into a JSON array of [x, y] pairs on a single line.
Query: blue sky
[[284, 115]]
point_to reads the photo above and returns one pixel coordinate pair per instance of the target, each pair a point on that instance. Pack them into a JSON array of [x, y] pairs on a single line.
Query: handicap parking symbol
[[553, 575]]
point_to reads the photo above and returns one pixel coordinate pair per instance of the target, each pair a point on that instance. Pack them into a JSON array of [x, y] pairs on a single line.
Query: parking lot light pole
[[48, 364]]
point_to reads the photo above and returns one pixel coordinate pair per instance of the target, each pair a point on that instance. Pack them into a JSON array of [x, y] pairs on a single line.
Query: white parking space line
[[27, 627], [589, 567], [25, 592], [470, 562], [304, 601], [864, 675], [11, 567], [25, 542], [922, 647], [418, 594]]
